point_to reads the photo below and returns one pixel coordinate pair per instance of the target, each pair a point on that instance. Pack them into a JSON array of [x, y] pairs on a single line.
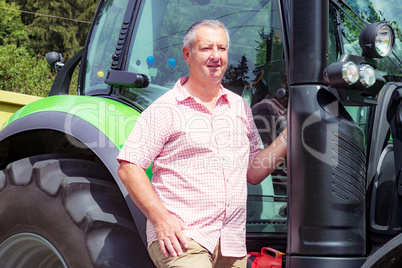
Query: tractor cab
[[329, 70], [140, 43], [133, 54]]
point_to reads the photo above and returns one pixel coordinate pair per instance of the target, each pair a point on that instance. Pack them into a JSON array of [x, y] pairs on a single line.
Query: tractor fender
[[39, 126]]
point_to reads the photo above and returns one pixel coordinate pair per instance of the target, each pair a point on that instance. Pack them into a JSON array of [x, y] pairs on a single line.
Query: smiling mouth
[[214, 65]]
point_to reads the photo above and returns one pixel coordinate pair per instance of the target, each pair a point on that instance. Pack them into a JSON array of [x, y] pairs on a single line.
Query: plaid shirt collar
[[182, 94]]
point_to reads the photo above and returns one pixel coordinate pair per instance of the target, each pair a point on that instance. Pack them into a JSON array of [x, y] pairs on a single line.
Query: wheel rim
[[30, 250]]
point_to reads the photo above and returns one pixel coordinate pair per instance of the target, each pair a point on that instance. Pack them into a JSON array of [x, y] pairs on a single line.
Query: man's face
[[209, 58]]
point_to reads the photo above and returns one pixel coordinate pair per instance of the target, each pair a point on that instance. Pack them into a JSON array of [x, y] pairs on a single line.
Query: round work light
[[377, 40], [367, 75], [341, 74], [350, 72]]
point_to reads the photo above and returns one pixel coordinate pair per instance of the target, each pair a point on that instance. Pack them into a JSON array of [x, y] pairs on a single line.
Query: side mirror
[[55, 59], [126, 79]]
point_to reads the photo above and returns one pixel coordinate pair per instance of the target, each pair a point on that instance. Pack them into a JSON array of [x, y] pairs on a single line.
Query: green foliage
[[26, 37], [237, 74], [12, 30], [21, 73], [261, 56], [54, 33]]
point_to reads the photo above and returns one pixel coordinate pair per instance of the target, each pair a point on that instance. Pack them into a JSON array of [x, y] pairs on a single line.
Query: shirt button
[[228, 204]]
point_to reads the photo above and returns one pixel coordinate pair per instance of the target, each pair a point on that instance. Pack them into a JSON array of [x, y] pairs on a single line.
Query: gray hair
[[189, 37]]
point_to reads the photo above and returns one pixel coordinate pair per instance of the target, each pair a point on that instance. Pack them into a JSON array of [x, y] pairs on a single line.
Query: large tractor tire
[[65, 212]]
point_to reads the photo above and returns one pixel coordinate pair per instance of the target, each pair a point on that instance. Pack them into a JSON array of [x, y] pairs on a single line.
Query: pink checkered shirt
[[200, 162]]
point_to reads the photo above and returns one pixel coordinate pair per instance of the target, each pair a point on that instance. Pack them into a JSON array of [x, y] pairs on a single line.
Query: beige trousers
[[195, 256]]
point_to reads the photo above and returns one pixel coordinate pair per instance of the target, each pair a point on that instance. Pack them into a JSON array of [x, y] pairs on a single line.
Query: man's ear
[[186, 54]]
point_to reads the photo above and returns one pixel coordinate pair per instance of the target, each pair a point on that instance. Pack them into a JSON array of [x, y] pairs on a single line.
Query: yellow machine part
[[10, 102]]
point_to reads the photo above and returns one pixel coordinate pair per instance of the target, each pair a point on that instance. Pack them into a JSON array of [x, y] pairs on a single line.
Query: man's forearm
[[167, 227], [268, 160], [139, 188]]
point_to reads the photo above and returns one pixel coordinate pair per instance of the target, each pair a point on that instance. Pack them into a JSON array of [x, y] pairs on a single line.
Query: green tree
[[243, 68], [261, 49], [19, 71], [57, 25], [26, 36], [22, 73], [12, 30]]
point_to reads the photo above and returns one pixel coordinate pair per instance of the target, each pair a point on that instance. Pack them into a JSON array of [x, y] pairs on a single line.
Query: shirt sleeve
[[147, 138]]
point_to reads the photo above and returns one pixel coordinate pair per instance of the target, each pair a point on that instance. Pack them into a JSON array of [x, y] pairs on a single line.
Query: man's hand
[[171, 237], [168, 228]]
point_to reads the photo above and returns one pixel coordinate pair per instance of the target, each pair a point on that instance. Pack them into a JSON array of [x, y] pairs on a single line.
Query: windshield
[[374, 11], [157, 49], [103, 40]]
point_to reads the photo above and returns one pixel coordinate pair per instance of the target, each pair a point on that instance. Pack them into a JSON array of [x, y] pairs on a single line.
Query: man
[[200, 138]]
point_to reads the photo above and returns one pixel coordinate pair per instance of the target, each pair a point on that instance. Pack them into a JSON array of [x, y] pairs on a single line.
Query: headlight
[[377, 40], [350, 72], [367, 75], [341, 74]]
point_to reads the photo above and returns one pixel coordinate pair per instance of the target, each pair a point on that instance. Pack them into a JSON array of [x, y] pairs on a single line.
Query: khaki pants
[[195, 256]]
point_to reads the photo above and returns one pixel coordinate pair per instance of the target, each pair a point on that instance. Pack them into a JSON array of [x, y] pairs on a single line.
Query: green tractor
[[334, 68]]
